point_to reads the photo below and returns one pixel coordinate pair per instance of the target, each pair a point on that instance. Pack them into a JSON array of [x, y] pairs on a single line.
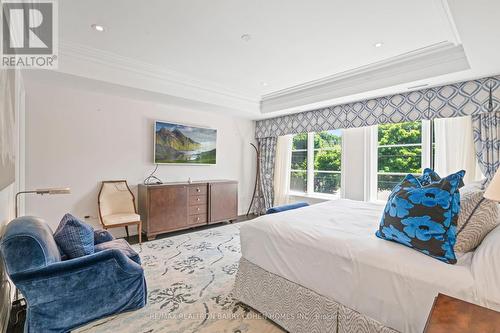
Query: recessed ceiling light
[[378, 44], [97, 27], [246, 37], [264, 84]]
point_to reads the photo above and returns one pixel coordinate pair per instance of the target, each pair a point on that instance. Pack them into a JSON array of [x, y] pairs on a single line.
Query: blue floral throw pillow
[[422, 213], [74, 237], [429, 176]]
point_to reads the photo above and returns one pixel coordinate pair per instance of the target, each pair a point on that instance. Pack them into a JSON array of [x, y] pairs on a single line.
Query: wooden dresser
[[176, 206], [452, 315]]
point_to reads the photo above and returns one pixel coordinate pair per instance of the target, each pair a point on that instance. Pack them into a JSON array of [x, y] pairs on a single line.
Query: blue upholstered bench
[[283, 208]]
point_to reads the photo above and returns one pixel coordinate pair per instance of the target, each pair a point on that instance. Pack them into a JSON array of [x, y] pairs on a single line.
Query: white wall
[[77, 138], [7, 194], [7, 203]]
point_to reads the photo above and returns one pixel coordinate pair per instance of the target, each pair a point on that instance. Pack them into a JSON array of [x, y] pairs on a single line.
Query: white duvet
[[331, 248]]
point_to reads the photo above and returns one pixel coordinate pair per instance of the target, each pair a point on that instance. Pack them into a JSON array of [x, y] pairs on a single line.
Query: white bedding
[[331, 248]]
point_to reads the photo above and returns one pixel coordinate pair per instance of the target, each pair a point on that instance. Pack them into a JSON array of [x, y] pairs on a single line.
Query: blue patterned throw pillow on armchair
[[422, 213], [74, 237]]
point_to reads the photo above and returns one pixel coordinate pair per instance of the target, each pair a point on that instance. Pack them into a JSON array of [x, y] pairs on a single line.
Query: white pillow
[[486, 269], [473, 186]]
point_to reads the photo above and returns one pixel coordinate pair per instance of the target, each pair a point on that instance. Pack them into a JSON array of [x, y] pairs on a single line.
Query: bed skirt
[[296, 308]]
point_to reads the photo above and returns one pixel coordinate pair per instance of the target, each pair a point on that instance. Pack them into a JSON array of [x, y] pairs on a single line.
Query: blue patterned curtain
[[453, 100], [267, 148], [486, 128]]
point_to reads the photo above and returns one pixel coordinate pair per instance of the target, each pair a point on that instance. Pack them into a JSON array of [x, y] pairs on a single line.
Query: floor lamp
[[42, 191], [17, 305]]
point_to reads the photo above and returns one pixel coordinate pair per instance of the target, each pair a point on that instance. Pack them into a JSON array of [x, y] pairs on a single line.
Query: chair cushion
[[120, 244], [120, 218], [74, 237], [115, 197], [424, 217]]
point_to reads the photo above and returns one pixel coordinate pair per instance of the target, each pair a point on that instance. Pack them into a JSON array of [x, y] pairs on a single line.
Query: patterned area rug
[[190, 278]]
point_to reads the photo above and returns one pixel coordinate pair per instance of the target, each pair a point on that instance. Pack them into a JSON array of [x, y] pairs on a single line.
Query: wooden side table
[[450, 314]]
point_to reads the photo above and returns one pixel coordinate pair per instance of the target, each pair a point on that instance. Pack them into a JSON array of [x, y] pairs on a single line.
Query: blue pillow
[[278, 209], [102, 236], [430, 176], [422, 213], [74, 237], [122, 245]]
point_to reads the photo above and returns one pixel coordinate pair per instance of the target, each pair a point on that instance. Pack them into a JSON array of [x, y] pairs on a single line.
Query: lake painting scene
[[175, 143]]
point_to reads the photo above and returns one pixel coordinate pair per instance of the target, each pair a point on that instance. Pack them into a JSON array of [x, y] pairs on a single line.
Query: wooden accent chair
[[117, 206]]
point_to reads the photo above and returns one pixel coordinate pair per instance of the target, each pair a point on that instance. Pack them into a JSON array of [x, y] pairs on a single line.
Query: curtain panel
[[486, 130], [455, 148], [453, 100], [282, 166], [267, 149]]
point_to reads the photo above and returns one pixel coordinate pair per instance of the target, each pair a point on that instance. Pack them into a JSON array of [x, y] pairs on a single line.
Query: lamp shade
[[42, 191], [56, 190], [493, 190]]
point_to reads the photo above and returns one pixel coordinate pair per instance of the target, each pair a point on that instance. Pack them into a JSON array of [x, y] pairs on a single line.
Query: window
[[298, 177], [402, 149], [327, 161], [316, 163]]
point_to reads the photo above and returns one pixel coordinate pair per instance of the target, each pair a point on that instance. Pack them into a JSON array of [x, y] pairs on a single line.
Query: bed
[[322, 269]]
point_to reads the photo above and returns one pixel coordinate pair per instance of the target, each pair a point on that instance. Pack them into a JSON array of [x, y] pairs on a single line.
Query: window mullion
[[371, 179], [431, 144], [426, 144], [310, 162]]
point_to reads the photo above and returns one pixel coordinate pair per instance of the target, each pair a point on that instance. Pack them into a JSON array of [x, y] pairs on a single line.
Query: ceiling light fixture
[[97, 27], [378, 44], [264, 84], [246, 37]]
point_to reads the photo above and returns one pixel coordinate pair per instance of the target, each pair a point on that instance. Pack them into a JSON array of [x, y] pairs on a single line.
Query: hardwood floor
[[135, 239]]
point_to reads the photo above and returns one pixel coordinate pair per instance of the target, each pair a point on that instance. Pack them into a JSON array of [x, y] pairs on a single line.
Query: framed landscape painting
[[184, 144]]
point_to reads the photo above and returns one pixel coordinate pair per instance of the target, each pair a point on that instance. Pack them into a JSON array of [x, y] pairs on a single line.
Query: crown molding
[[451, 21], [434, 60], [106, 66], [437, 59]]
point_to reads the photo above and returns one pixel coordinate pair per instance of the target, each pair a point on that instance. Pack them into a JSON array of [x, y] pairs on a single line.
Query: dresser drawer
[[197, 219], [197, 200], [198, 189], [197, 209]]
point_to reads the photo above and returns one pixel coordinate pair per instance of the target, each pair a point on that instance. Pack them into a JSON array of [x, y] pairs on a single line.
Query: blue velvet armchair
[[65, 294]]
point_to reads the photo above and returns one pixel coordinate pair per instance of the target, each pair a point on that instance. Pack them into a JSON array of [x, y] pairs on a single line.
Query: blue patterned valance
[[453, 100]]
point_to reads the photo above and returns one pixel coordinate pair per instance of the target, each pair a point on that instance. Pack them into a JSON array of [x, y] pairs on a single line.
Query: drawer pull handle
[[198, 208], [198, 199], [198, 190], [197, 219]]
